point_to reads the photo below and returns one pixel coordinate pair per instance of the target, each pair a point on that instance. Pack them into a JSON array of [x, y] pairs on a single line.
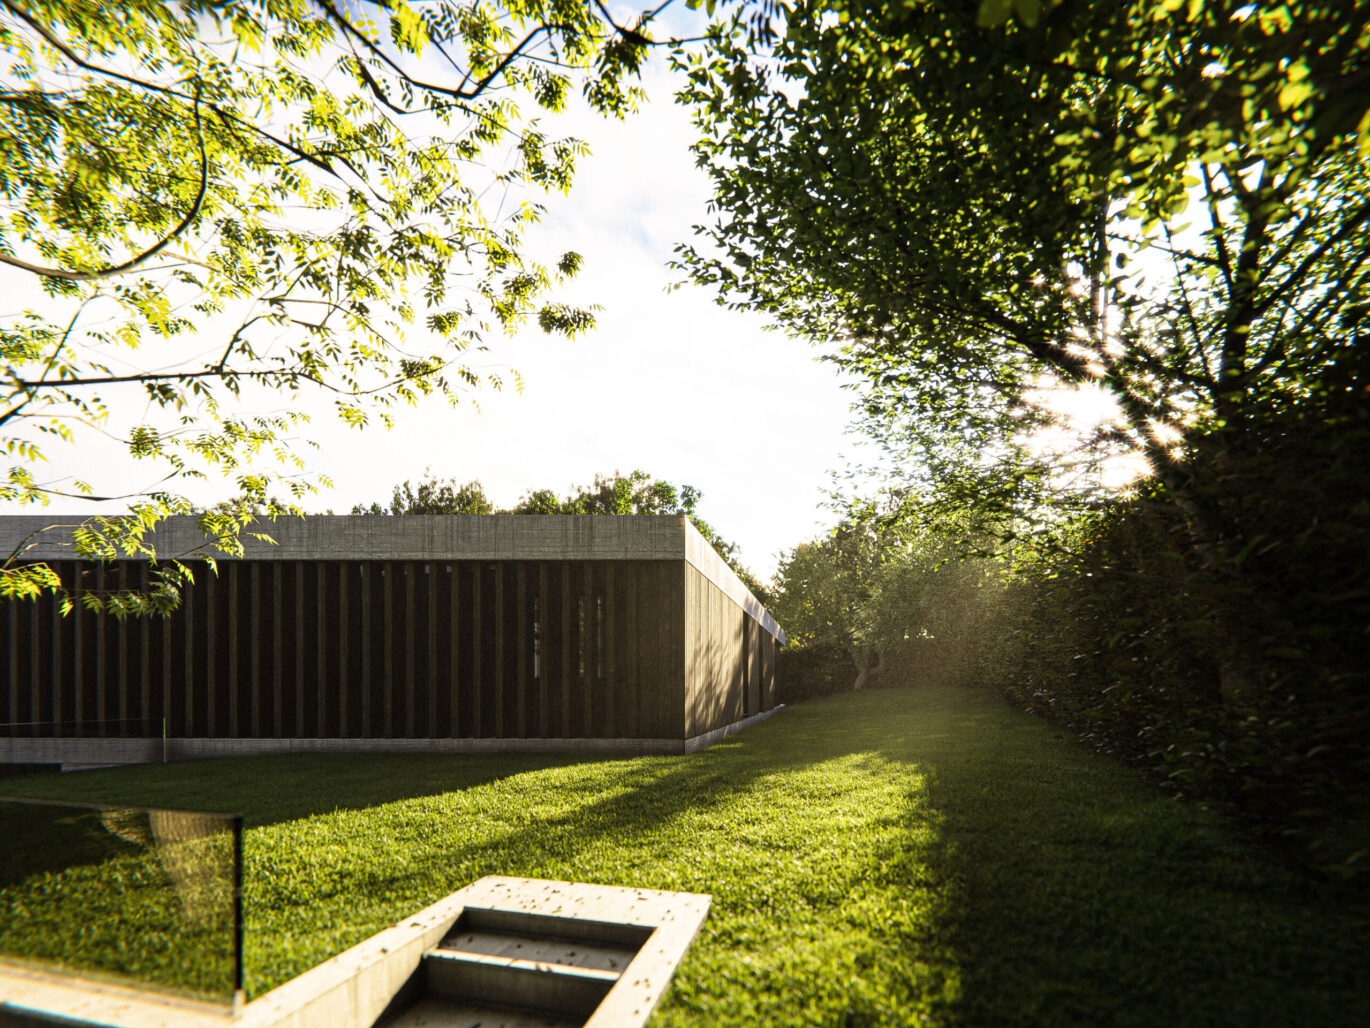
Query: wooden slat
[[277, 648], [610, 678], [364, 676], [432, 582], [587, 651], [646, 613], [544, 727], [320, 614], [388, 648], [121, 635], [78, 646], [12, 671], [628, 710], [567, 647], [410, 683], [58, 663], [101, 658], [675, 649], [477, 648], [231, 569], [298, 568], [519, 729], [499, 650], [454, 683], [32, 612], [64, 634], [254, 657], [173, 725], [210, 655], [345, 585], [567, 670], [655, 610], [150, 724]]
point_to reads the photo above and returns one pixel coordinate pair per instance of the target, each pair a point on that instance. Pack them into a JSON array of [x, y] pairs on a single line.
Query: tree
[[636, 493], [433, 496], [218, 201], [1164, 199], [935, 612], [891, 596], [821, 588]]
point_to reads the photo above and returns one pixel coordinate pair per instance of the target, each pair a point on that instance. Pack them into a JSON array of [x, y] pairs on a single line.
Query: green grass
[[885, 858], [125, 894]]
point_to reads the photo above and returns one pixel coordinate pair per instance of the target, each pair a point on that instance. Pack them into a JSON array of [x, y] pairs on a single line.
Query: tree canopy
[[216, 205], [433, 496], [891, 597], [635, 493], [1166, 199]]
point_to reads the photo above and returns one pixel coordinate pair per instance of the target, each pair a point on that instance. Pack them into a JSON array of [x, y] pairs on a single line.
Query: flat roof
[[422, 537]]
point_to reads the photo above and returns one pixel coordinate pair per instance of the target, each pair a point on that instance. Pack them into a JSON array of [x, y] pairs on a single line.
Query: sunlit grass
[[891, 858], [141, 897]]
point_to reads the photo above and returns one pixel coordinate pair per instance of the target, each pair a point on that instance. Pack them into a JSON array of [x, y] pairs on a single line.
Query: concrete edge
[[358, 986], [706, 560], [30, 996], [118, 752], [354, 988], [706, 739]]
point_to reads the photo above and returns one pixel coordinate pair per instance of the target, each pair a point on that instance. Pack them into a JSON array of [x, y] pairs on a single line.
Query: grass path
[[885, 858]]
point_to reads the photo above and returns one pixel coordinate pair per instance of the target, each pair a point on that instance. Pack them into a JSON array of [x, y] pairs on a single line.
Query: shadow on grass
[[273, 789], [41, 840], [1045, 885], [1079, 895]]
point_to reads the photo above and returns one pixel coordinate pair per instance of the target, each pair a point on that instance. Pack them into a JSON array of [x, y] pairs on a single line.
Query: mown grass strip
[[886, 858]]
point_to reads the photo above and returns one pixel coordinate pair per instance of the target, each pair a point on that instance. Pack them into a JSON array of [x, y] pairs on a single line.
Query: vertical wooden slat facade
[[730, 660], [376, 649]]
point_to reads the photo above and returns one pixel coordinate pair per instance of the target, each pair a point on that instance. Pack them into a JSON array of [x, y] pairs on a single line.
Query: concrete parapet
[[354, 537]]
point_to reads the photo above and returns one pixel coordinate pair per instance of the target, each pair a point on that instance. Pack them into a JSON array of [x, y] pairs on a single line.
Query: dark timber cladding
[[368, 628]]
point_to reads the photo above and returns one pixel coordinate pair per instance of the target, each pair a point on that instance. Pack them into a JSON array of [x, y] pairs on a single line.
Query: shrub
[[1125, 639], [808, 672]]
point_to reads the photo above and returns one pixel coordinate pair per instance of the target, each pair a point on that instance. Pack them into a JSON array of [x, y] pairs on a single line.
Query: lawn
[[892, 857]]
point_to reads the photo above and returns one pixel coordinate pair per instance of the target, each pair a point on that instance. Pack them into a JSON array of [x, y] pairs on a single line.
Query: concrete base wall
[[111, 752]]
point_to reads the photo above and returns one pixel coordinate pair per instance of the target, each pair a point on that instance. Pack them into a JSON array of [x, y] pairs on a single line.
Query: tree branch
[[133, 263]]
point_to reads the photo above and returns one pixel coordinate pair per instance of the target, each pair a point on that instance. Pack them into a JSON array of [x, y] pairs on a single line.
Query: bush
[[808, 672], [1127, 638]]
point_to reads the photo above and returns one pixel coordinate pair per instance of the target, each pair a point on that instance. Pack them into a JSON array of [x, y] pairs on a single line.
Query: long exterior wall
[[363, 649], [729, 658]]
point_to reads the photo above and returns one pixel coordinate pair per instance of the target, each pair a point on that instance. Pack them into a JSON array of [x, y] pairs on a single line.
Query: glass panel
[[143, 896]]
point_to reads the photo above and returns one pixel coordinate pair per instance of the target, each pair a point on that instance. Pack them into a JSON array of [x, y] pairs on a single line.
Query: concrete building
[[394, 633]]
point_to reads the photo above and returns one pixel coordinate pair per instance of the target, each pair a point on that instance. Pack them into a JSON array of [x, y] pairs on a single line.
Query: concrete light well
[[502, 951]]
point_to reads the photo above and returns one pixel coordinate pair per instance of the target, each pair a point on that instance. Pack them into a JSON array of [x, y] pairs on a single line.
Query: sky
[[668, 382]]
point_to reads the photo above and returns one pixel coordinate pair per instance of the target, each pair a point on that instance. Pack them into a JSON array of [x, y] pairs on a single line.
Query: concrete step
[[434, 1012], [535, 986], [540, 949], [528, 965]]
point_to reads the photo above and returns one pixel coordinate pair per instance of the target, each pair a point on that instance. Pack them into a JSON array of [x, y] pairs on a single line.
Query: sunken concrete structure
[[422, 633], [502, 952]]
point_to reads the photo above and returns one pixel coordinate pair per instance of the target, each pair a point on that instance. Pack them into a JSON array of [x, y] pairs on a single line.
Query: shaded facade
[[358, 632]]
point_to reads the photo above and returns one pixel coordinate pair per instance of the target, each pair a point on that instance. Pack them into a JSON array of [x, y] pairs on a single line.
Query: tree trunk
[[861, 657], [1214, 541]]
